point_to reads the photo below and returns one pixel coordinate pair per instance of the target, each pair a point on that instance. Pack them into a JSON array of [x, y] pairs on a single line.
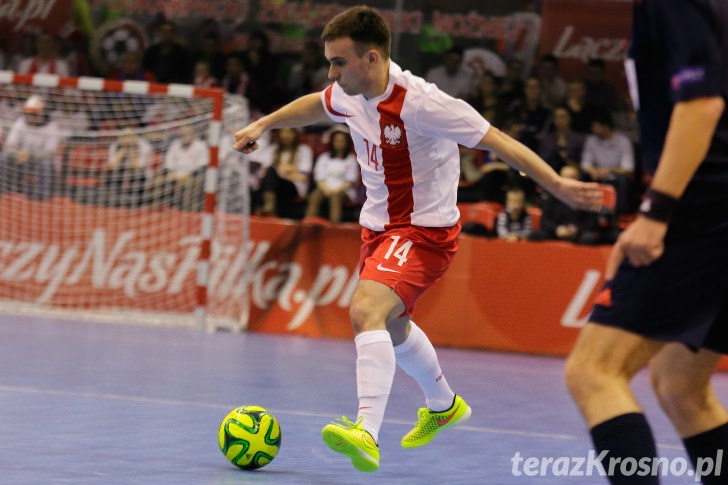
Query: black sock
[[707, 451], [626, 437]]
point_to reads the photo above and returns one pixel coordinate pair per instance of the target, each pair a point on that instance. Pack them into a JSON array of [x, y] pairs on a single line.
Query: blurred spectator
[[511, 87], [235, 80], [553, 87], [310, 73], [11, 108], [336, 173], [559, 222], [452, 76], [514, 222], [211, 52], [128, 171], [4, 58], [70, 114], [263, 91], [600, 93], [285, 167], [25, 49], [181, 181], [485, 99], [581, 113], [203, 77], [608, 158], [168, 60], [482, 179], [531, 114], [27, 157], [46, 61], [130, 68], [562, 146]]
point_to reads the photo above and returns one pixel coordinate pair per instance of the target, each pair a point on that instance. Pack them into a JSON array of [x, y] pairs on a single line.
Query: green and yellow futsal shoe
[[352, 440], [430, 423]]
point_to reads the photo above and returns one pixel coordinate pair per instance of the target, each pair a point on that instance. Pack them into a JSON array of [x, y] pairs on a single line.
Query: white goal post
[[122, 200]]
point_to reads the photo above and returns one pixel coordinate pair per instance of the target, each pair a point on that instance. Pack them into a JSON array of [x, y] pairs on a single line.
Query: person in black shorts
[[665, 302]]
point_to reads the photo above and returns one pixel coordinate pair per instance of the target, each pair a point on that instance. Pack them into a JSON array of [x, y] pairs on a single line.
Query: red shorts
[[408, 259]]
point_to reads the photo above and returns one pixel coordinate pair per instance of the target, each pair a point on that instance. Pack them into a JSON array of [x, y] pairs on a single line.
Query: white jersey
[[406, 141]]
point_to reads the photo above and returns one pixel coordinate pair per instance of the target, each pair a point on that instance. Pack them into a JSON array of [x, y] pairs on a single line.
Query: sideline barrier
[[299, 278]]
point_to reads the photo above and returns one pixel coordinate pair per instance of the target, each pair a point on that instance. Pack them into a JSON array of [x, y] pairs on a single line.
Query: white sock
[[375, 366], [417, 357]]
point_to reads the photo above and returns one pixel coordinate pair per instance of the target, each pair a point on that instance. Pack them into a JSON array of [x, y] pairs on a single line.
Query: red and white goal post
[[122, 200]]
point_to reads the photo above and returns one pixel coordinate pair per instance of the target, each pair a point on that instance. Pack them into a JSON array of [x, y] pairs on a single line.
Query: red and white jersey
[[406, 141]]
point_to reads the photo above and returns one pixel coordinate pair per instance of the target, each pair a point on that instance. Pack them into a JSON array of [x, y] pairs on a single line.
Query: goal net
[[122, 200]]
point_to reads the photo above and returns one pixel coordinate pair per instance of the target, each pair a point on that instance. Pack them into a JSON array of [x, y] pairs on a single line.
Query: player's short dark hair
[[365, 26]]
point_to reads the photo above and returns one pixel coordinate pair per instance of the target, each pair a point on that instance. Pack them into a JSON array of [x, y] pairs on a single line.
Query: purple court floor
[[84, 403]]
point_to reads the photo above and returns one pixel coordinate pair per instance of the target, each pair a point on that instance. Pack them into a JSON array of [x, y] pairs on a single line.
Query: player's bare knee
[[678, 395], [365, 317], [586, 378]]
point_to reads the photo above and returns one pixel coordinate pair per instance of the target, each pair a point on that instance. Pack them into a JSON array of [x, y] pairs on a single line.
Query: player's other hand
[[580, 195], [246, 139]]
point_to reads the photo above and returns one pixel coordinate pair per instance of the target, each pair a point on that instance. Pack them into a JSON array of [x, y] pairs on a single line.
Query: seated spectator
[[285, 170], [608, 158], [235, 80], [531, 114], [203, 77], [46, 61], [181, 181], [582, 113], [452, 76], [129, 170], [559, 222], [168, 59], [562, 146], [130, 68], [514, 222], [600, 93], [482, 179], [70, 114], [211, 53], [28, 153], [511, 86], [336, 173], [310, 73], [486, 99], [553, 87]]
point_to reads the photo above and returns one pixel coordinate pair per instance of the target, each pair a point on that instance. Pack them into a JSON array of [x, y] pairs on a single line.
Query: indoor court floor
[[84, 403]]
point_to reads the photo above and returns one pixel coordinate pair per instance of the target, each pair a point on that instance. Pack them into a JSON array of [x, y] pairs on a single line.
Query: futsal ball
[[249, 437]]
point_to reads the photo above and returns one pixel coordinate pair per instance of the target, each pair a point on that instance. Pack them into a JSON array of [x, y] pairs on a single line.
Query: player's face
[[347, 68]]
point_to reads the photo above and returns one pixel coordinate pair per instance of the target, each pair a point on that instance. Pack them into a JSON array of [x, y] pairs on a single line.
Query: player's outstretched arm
[[580, 195], [304, 111]]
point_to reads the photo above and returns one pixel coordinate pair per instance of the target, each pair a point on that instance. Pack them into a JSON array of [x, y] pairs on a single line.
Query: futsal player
[[406, 134], [665, 304]]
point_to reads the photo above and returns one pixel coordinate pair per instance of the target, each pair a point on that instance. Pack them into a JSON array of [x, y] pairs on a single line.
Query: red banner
[[578, 30], [291, 278], [34, 15]]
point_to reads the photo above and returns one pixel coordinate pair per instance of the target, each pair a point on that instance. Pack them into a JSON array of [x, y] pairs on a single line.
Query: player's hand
[[246, 139], [642, 242], [580, 195]]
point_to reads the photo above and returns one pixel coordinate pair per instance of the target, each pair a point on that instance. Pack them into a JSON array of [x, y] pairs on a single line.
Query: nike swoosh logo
[[443, 422], [382, 268]]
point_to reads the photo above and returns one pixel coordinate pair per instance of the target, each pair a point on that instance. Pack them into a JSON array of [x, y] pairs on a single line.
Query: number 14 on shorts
[[398, 252]]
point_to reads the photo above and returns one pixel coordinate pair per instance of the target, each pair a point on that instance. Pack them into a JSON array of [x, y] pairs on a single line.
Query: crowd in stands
[[581, 127]]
